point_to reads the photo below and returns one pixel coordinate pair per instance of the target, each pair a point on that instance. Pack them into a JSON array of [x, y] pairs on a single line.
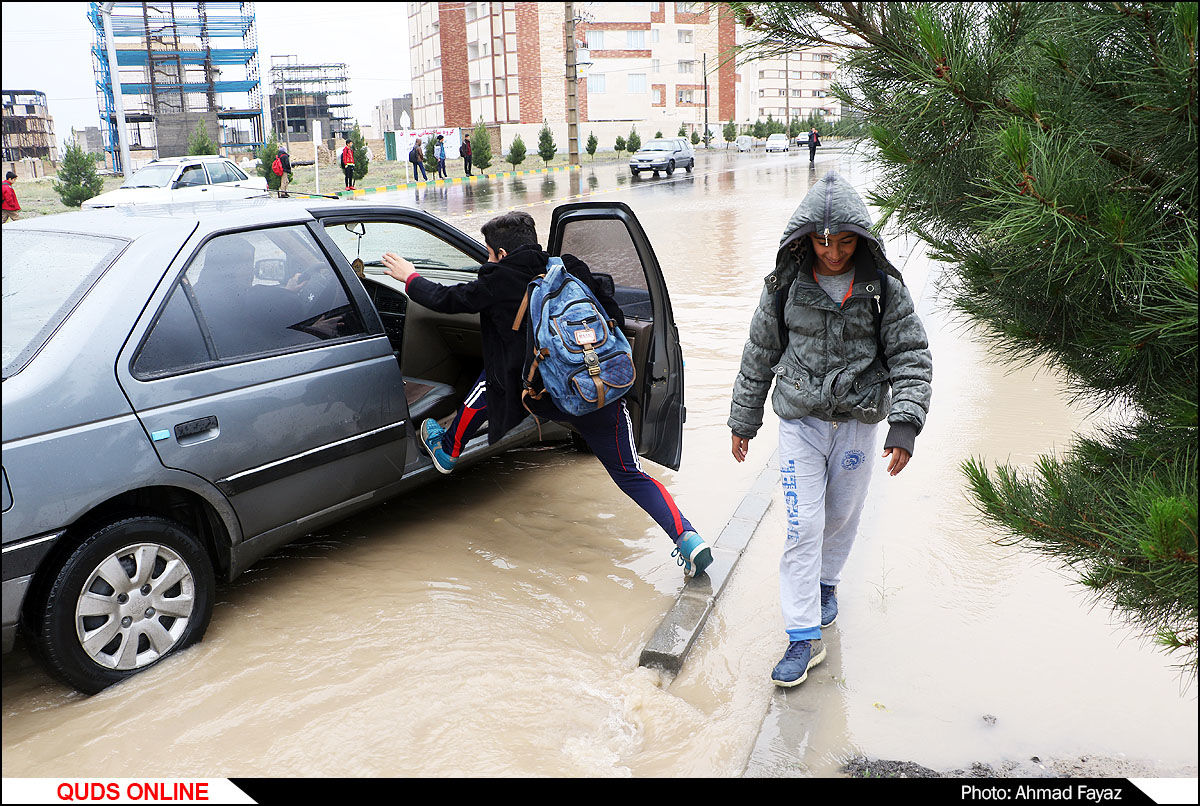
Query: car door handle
[[194, 431]]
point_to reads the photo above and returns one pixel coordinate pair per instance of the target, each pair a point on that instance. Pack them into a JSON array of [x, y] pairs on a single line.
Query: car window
[[236, 172], [152, 176], [424, 249], [659, 145], [44, 275], [606, 246], [193, 175], [218, 173], [268, 290], [174, 342]]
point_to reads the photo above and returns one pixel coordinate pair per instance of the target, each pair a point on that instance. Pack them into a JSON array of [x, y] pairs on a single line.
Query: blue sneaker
[[828, 604], [692, 553], [800, 656], [431, 441]]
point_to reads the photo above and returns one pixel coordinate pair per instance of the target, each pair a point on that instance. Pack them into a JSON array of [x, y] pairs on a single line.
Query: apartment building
[[657, 64], [28, 127]]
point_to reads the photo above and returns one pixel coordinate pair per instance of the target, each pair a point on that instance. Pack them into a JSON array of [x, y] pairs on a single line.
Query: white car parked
[[777, 142], [182, 179], [744, 142]]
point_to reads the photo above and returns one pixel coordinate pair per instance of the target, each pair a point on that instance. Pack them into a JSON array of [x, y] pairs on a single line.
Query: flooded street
[[490, 624]]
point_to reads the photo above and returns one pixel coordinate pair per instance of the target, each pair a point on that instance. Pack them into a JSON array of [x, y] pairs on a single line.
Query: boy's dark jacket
[[496, 296]]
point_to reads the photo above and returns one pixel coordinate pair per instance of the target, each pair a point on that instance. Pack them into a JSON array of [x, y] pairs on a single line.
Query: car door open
[[609, 239]]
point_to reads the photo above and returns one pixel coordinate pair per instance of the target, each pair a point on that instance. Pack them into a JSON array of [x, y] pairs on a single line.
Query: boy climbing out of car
[[514, 259], [837, 334]]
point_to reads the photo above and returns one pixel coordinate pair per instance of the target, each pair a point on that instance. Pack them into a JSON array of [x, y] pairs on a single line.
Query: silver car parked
[[186, 388], [665, 154]]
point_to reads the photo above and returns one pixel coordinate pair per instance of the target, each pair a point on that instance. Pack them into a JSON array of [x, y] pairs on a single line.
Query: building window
[[656, 97], [595, 83], [637, 83], [684, 97], [686, 66], [684, 35], [686, 8], [655, 66], [595, 40], [653, 35], [656, 8], [635, 40]]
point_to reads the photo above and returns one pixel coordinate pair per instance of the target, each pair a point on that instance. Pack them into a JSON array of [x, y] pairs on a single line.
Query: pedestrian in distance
[[837, 334], [514, 259], [348, 164], [464, 151], [283, 169], [439, 151], [814, 140], [416, 156], [12, 208]]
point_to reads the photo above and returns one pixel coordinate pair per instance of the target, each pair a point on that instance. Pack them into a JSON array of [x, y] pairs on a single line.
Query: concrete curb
[[457, 180], [680, 627]]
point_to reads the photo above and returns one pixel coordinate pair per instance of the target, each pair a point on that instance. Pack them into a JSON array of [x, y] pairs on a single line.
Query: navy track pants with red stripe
[[609, 434]]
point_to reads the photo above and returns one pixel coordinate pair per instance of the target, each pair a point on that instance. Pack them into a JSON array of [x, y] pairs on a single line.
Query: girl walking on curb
[[836, 332]]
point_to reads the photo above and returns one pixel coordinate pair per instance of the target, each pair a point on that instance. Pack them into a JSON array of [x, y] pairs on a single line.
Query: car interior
[[441, 354]]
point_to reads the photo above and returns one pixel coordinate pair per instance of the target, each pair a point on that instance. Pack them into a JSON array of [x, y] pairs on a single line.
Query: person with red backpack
[[514, 259], [282, 167], [348, 164]]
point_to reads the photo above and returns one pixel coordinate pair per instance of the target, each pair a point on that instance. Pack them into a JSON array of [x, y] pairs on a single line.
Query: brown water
[[491, 624]]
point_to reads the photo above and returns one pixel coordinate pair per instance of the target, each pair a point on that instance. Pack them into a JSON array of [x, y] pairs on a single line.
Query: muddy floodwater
[[490, 623]]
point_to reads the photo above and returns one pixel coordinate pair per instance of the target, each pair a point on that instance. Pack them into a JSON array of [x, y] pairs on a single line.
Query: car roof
[[134, 221], [178, 160]]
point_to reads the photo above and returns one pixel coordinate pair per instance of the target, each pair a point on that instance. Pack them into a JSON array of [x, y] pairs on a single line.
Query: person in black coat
[[515, 258]]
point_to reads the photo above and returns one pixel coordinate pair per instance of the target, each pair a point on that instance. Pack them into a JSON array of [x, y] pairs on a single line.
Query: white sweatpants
[[825, 470]]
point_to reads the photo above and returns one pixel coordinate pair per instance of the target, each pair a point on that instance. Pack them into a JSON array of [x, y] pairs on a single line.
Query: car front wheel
[[633, 171], [131, 593], [671, 167], [690, 166]]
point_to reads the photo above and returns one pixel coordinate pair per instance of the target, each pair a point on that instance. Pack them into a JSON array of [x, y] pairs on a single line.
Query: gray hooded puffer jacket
[[829, 366]]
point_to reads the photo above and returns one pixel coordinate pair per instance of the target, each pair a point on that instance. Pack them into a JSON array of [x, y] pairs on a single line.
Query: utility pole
[[704, 70], [787, 97], [572, 88]]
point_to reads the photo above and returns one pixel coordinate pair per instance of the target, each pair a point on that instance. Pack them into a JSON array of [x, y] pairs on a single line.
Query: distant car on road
[[183, 179], [777, 142], [189, 387], [665, 154], [744, 142], [802, 138]]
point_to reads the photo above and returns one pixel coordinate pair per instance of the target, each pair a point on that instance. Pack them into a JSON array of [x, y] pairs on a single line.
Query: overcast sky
[[47, 47]]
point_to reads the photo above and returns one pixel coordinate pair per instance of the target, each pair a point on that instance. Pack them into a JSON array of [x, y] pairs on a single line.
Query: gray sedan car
[[186, 388]]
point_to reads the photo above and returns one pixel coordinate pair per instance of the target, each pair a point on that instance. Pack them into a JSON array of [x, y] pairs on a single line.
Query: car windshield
[[659, 145], [152, 176], [44, 275], [777, 137]]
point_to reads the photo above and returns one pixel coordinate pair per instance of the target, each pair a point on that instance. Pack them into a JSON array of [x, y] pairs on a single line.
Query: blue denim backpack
[[584, 360]]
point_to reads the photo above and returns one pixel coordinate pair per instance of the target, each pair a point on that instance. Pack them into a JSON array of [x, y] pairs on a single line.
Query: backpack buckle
[[591, 361]]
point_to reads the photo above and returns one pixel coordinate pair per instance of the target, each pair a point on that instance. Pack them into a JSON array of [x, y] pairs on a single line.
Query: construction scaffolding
[[28, 127], [303, 93], [180, 64]]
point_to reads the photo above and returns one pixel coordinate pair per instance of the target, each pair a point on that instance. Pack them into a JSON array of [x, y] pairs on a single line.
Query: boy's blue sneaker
[[431, 440], [828, 604], [692, 553], [800, 656]]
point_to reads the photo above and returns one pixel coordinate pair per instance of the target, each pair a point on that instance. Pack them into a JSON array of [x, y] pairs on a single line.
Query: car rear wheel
[[131, 593]]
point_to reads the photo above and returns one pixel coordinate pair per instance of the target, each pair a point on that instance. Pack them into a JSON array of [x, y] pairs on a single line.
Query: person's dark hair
[[510, 232], [11, 175]]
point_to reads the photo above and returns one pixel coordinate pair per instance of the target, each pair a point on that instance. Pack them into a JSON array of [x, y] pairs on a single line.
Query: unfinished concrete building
[[180, 65], [28, 127], [304, 93]]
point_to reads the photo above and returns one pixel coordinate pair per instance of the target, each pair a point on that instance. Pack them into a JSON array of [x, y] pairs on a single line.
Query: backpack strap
[[521, 311]]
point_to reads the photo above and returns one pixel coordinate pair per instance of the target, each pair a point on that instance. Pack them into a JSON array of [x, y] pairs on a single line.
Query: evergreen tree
[[481, 147], [620, 145], [201, 143], [682, 130], [358, 145], [634, 142], [695, 138], [759, 130], [729, 132], [266, 157], [430, 155], [1047, 153], [592, 144], [77, 180], [546, 147], [794, 128], [658, 135], [516, 152]]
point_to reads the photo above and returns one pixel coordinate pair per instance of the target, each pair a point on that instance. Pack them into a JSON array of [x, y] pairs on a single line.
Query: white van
[[744, 142]]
